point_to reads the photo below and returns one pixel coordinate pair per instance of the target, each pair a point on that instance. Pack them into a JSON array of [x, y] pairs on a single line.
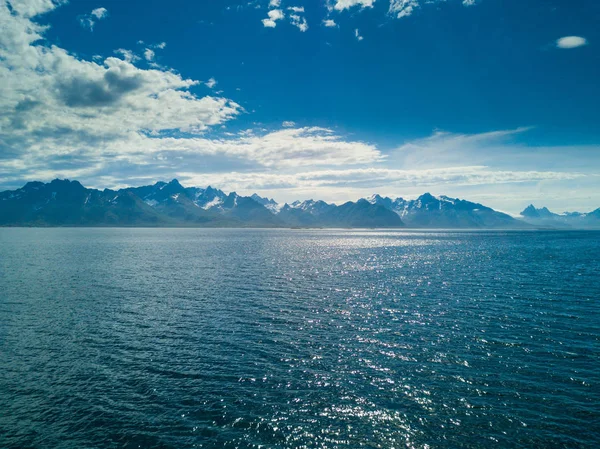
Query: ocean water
[[182, 338]]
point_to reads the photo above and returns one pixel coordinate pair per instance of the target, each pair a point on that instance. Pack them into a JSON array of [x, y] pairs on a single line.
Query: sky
[[492, 101]]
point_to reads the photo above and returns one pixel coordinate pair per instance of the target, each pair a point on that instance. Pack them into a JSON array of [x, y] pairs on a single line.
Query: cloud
[[149, 54], [329, 23], [128, 55], [211, 83], [87, 20], [100, 13], [569, 42], [299, 22], [335, 184], [288, 124], [274, 3], [273, 16], [357, 35], [289, 147], [55, 104], [446, 149], [295, 18], [403, 8], [341, 5]]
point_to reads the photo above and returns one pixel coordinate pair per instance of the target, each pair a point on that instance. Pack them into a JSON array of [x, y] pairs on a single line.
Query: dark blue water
[[180, 338]]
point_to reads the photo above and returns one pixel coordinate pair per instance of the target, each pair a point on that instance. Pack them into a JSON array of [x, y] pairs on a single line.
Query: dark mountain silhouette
[[68, 203]]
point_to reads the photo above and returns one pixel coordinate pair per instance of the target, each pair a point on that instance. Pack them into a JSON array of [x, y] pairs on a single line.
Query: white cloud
[[54, 104], [329, 23], [339, 185], [28, 9], [211, 83], [299, 22], [100, 13], [128, 55], [340, 5], [273, 16], [149, 54], [290, 147], [294, 18], [569, 42], [357, 35], [274, 3], [160, 45], [403, 8], [447, 149], [288, 124], [87, 20]]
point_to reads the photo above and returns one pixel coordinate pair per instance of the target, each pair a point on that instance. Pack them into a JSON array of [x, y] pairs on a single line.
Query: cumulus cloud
[[149, 54], [272, 17], [403, 8], [127, 55], [61, 115], [299, 22], [211, 83], [329, 23], [100, 13], [569, 42], [341, 5], [54, 103], [88, 20], [295, 17], [288, 124], [357, 35]]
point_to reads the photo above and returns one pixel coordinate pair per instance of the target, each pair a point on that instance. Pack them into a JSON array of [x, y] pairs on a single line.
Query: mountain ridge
[[170, 204], [566, 220]]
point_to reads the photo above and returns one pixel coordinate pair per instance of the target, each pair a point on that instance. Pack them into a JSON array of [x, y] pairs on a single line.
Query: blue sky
[[491, 101]]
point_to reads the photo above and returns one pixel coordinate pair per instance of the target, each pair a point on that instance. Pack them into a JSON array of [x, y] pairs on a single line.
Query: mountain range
[[567, 220], [68, 203]]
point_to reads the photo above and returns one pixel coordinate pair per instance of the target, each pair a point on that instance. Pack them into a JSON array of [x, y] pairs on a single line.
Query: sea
[[250, 338]]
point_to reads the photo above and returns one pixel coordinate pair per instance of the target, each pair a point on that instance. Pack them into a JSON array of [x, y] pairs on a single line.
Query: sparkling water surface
[[181, 338]]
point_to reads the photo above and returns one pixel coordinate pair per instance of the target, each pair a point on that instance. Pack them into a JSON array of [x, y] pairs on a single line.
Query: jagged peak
[[212, 191], [373, 198], [32, 185], [263, 200], [427, 196]]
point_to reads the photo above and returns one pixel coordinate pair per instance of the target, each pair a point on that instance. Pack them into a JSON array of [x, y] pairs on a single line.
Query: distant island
[[68, 203]]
